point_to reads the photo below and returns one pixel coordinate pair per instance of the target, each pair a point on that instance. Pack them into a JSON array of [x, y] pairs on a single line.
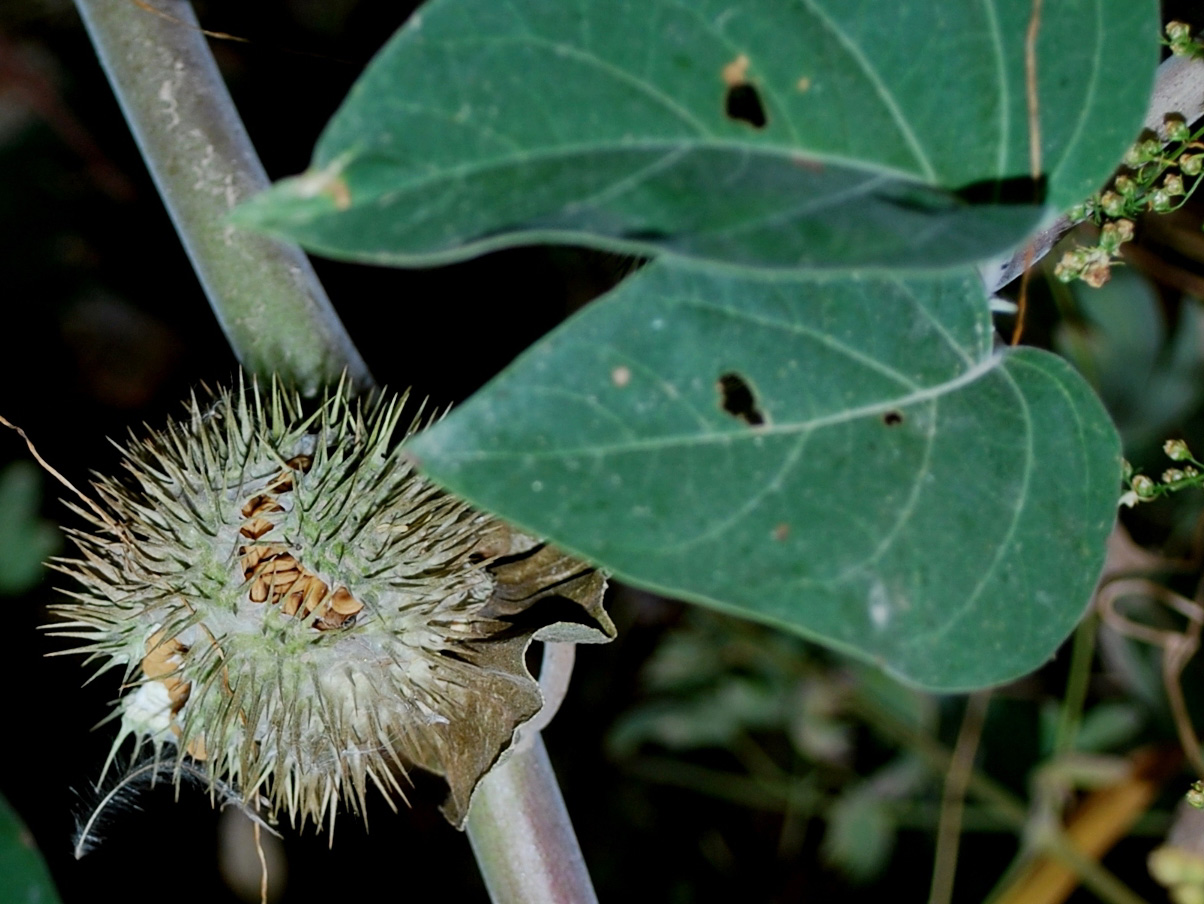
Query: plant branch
[[278, 320], [264, 292], [517, 826]]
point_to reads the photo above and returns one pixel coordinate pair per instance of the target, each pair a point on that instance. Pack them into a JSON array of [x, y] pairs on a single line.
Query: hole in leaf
[[892, 418], [743, 102], [737, 399]]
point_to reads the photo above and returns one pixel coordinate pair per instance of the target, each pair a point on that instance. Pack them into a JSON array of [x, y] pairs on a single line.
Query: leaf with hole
[[800, 133], [846, 458]]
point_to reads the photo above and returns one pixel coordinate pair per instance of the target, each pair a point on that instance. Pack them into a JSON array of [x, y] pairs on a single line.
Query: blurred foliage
[[26, 539], [748, 714], [23, 876], [1149, 376]]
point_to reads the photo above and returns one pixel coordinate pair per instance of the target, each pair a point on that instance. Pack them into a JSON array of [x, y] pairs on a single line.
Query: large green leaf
[[890, 129], [24, 878], [846, 458]]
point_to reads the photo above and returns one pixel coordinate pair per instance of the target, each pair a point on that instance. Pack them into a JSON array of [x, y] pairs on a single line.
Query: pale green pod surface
[[299, 614]]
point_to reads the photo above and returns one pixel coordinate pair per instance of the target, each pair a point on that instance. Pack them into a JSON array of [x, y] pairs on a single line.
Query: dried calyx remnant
[[301, 614]]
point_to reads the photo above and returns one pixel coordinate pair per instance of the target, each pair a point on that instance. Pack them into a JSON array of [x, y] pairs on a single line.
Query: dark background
[[104, 327]]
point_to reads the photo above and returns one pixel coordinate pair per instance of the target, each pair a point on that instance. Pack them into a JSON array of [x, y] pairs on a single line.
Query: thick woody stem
[[518, 827], [264, 292], [279, 321]]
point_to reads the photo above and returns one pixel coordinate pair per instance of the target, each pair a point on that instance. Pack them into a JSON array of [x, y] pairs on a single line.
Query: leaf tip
[[295, 200]]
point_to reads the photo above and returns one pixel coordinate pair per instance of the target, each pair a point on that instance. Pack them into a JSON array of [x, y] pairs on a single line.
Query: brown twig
[[1031, 94], [1022, 299], [263, 866], [219, 35], [100, 513], [1178, 647], [1032, 98]]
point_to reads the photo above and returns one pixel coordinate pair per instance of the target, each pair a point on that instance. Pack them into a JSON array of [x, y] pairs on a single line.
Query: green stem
[[264, 292], [279, 321], [953, 801], [518, 827], [1071, 715]]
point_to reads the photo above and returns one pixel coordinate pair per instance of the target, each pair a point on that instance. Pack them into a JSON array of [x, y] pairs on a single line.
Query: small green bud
[[1190, 472], [1161, 201], [1092, 265], [1112, 204], [1195, 795], [1177, 31], [1142, 152], [1176, 129], [1126, 186], [1178, 38], [1173, 184], [1176, 450], [1114, 234], [1098, 271], [1144, 487], [1172, 475], [1191, 164], [1070, 267]]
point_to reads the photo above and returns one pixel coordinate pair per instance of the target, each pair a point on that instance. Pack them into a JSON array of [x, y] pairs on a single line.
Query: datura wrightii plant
[[299, 614], [798, 412]]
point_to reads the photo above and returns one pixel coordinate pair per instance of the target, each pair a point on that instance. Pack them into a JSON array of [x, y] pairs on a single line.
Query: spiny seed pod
[[300, 614]]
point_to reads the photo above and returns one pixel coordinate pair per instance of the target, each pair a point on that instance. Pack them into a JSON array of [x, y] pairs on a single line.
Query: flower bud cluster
[[1143, 488], [1093, 264], [1152, 180]]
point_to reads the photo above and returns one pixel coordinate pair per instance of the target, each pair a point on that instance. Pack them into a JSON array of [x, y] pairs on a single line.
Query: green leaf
[[894, 134], [846, 458], [25, 539], [24, 878]]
